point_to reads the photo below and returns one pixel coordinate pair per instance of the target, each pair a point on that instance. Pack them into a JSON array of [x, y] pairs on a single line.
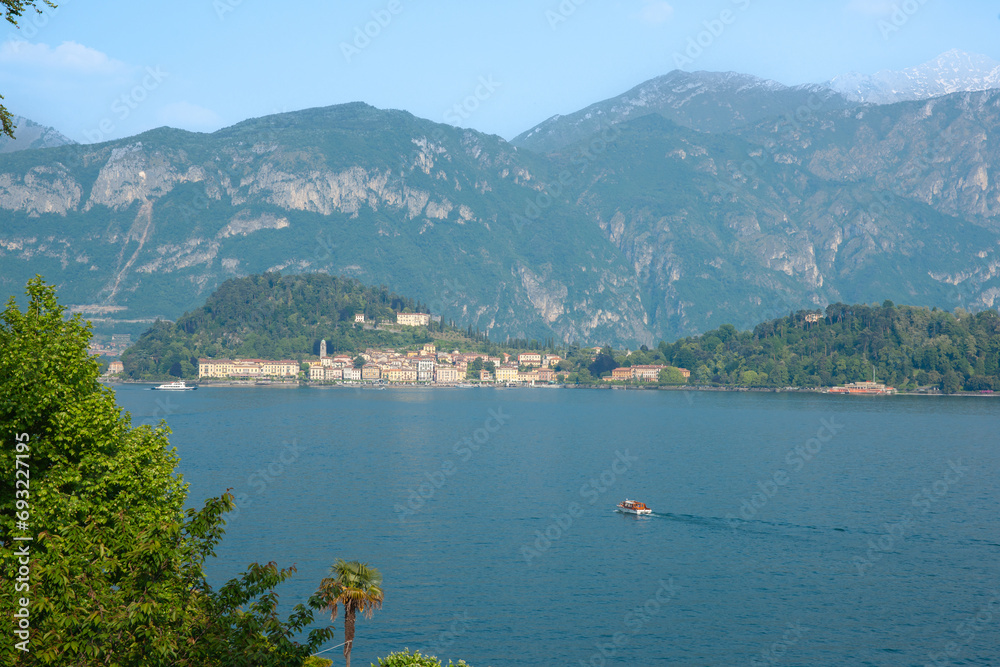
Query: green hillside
[[271, 316], [908, 348]]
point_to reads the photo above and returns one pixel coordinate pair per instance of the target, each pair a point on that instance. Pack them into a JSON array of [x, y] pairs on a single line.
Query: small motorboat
[[633, 507], [175, 386]]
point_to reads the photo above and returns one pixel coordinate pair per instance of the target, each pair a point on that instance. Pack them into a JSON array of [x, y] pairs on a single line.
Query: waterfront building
[[446, 374], [506, 373], [247, 368], [622, 374], [425, 369], [527, 376]]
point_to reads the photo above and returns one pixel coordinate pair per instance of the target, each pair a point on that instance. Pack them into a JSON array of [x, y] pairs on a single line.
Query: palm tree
[[356, 586]]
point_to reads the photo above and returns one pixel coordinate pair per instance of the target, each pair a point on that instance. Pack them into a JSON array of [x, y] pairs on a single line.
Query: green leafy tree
[[603, 363], [407, 659], [359, 588], [672, 375], [116, 565]]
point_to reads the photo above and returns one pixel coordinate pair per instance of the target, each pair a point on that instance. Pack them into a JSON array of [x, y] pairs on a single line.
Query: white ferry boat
[[175, 386], [634, 507]]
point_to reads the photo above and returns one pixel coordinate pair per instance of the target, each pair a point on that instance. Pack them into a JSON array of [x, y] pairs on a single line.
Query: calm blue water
[[514, 555]]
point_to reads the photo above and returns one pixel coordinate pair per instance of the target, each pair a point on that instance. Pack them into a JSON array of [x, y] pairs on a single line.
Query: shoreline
[[377, 387]]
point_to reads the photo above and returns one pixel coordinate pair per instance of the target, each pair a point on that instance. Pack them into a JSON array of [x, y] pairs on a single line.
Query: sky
[[107, 69]]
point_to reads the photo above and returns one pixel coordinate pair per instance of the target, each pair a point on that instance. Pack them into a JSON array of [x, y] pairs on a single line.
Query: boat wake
[[742, 525]]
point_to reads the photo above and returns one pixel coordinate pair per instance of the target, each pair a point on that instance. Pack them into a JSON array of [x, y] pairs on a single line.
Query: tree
[[672, 375], [603, 363], [356, 586], [12, 11], [407, 659], [116, 565], [950, 383]]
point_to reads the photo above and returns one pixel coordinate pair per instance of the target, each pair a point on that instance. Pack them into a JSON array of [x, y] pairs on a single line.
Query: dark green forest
[[270, 316], [908, 348]]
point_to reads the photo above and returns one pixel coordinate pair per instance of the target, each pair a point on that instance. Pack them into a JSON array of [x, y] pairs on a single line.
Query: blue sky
[[112, 68]]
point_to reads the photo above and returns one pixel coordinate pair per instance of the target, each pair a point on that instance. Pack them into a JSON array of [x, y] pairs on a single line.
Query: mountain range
[[692, 200], [951, 72], [30, 134]]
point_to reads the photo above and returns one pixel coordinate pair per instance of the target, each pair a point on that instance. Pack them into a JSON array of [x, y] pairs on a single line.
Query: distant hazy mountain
[[704, 101], [30, 134], [951, 72]]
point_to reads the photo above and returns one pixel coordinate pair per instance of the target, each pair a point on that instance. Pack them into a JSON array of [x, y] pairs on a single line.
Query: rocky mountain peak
[[954, 71], [30, 134]]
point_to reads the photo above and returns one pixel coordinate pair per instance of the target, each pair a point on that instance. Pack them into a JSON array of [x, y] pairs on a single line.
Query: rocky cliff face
[[30, 135], [645, 229], [156, 222], [845, 206]]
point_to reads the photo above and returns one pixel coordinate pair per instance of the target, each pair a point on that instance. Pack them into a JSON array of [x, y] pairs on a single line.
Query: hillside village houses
[[426, 365]]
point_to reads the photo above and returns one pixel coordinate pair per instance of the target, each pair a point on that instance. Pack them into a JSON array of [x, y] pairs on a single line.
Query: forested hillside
[[910, 348], [271, 316]]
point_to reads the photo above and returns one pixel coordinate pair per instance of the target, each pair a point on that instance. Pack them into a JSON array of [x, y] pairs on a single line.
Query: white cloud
[[655, 11], [871, 7], [187, 116], [67, 57]]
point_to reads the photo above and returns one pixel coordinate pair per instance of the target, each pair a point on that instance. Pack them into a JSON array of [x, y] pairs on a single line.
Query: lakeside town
[[427, 365]]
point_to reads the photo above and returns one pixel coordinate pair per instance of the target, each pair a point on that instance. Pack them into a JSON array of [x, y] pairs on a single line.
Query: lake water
[[789, 529]]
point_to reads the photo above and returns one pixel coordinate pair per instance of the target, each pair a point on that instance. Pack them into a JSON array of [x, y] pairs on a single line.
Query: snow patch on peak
[[952, 72]]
